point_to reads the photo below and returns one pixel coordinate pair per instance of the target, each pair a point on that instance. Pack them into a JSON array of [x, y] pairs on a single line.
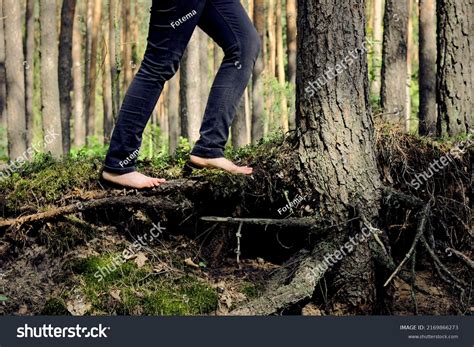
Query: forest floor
[[81, 252]]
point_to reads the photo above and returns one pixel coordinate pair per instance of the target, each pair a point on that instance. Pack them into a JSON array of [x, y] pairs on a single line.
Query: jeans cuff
[[120, 170], [204, 152]]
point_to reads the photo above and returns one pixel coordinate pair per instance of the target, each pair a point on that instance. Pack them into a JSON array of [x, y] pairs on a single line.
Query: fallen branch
[[305, 222]]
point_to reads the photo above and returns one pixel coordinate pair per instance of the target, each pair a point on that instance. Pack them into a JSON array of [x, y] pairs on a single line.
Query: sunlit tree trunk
[[65, 70], [173, 113], [377, 24], [427, 75], [258, 108], [15, 83], [29, 51], [394, 62], [284, 123], [127, 62], [78, 84], [51, 110], [3, 77], [455, 68], [108, 121], [114, 75]]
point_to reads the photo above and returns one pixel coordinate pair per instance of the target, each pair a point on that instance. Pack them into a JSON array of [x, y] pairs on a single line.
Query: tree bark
[[115, 78], [190, 94], [127, 44], [49, 77], [284, 122], [14, 59], [257, 78], [3, 77], [173, 113], [65, 70], [29, 51], [78, 85], [455, 71], [92, 82], [337, 147], [427, 75], [377, 47], [394, 62], [108, 121]]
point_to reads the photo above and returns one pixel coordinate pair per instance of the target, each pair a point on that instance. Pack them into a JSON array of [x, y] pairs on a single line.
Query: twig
[[419, 233], [461, 256]]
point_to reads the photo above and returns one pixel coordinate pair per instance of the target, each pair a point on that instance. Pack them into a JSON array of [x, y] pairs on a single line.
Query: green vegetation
[[140, 290]]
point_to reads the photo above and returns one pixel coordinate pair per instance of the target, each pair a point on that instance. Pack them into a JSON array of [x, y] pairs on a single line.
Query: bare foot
[[134, 180], [221, 163]]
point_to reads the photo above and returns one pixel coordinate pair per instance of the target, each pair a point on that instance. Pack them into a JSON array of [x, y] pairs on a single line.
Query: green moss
[[252, 290], [141, 292]]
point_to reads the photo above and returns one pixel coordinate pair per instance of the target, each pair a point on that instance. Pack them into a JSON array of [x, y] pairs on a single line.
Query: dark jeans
[[172, 23]]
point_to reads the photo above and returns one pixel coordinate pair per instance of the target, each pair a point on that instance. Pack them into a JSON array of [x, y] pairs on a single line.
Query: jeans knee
[[158, 70]]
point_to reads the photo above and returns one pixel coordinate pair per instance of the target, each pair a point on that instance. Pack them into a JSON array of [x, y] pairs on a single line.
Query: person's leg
[[227, 23], [172, 23]]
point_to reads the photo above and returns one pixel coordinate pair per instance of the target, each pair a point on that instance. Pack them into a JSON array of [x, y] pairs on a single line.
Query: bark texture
[[394, 61], [455, 71], [14, 64], [337, 147]]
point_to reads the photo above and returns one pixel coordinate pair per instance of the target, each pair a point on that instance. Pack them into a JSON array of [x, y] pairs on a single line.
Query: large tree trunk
[[427, 75], [394, 62], [29, 51], [455, 71], [65, 69], [49, 78], [337, 147], [3, 77], [257, 79], [190, 94], [14, 59], [78, 85]]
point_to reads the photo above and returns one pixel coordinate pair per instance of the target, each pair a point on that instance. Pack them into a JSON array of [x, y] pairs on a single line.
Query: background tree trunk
[[3, 77], [337, 147], [257, 79], [173, 113], [108, 121], [284, 122], [65, 70], [78, 85], [16, 128], [190, 91], [126, 44], [427, 75], [455, 71], [92, 82], [29, 51], [394, 62], [115, 78], [378, 9], [49, 77]]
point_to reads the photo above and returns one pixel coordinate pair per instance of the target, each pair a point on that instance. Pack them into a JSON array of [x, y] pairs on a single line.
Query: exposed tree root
[[301, 286]]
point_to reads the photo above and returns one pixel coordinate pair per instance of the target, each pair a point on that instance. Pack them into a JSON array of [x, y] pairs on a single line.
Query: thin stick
[[419, 233]]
